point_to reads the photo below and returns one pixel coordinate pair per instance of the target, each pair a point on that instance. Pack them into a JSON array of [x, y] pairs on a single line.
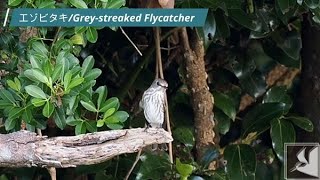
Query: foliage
[[53, 79]]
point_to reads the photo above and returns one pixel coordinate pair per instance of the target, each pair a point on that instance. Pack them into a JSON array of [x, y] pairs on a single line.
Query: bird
[[153, 103]]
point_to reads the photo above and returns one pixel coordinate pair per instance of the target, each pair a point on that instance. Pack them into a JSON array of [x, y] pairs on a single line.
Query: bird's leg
[[147, 127]]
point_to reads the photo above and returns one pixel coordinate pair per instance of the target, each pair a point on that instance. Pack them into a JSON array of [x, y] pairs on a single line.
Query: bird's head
[[160, 84]]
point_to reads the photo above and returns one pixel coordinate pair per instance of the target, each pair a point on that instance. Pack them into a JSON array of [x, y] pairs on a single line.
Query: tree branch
[[202, 100], [26, 149]]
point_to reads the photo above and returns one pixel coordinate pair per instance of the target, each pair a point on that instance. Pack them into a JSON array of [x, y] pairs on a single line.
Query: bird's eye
[[158, 84]]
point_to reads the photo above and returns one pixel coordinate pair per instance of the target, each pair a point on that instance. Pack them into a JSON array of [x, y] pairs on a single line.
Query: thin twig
[[52, 172], [125, 34], [159, 62], [134, 164], [6, 18]]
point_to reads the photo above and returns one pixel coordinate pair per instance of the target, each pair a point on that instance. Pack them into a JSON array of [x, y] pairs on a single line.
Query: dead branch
[[26, 149]]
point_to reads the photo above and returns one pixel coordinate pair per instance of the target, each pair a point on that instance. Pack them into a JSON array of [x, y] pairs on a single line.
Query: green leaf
[[110, 103], [7, 96], [77, 39], [241, 161], [291, 45], [60, 117], [115, 126], [223, 120], [100, 123], [185, 170], [115, 4], [209, 29], [284, 5], [226, 104], [47, 4], [87, 65], [75, 82], [35, 91], [312, 4], [14, 2], [67, 80], [102, 92], [4, 104], [56, 72], [223, 29], [281, 132], [71, 121], [39, 48], [258, 118], [38, 102], [93, 74], [242, 18], [36, 75], [89, 106], [27, 116], [185, 136], [92, 34], [10, 124], [17, 82], [79, 4], [278, 94], [301, 122], [150, 162], [108, 113], [13, 85], [80, 128], [15, 112], [91, 126], [121, 116], [48, 109]]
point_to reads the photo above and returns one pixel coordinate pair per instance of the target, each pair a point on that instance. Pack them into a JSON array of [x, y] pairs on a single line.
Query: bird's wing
[[301, 156]]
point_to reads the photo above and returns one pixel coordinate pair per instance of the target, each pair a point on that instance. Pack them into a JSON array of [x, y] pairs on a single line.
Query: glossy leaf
[[92, 34], [93, 74], [278, 94], [36, 75], [91, 126], [87, 65], [80, 128], [241, 161], [225, 103], [59, 118], [185, 136], [9, 124], [89, 106], [75, 82], [108, 113], [209, 29], [115, 4], [302, 122], [13, 85], [223, 120], [150, 162], [258, 118], [48, 109], [39, 48], [56, 72], [110, 103], [14, 2], [79, 4], [7, 96], [15, 113], [115, 126], [281, 132], [185, 170], [37, 102], [100, 123], [27, 116], [77, 39], [102, 92], [35, 91]]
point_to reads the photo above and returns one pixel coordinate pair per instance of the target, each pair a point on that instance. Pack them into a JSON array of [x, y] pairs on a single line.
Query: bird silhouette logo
[[309, 167]]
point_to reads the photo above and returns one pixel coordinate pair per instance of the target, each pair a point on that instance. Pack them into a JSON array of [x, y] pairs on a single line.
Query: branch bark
[[26, 149], [202, 100]]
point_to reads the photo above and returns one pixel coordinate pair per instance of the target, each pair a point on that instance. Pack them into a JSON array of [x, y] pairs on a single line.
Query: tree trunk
[[309, 100]]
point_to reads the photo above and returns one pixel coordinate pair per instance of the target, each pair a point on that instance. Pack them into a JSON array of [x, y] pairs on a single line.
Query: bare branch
[[26, 149]]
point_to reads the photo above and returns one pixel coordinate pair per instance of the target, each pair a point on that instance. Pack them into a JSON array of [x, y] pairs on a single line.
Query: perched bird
[[153, 102]]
